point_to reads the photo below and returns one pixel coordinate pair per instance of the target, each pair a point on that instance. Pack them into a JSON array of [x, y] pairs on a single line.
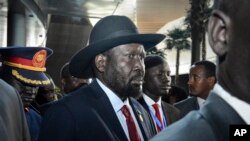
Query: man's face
[[47, 92], [158, 80], [198, 82], [27, 92], [125, 70]]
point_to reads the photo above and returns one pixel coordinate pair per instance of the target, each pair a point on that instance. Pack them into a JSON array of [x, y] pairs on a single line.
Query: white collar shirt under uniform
[[117, 104]]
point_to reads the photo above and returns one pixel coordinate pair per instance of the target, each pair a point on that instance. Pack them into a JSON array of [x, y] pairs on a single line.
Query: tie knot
[[125, 111], [156, 106]]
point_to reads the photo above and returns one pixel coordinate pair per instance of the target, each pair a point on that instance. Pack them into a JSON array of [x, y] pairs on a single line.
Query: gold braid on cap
[[29, 81]]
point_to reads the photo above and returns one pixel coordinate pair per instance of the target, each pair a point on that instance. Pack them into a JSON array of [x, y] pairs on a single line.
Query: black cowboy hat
[[26, 64], [109, 32]]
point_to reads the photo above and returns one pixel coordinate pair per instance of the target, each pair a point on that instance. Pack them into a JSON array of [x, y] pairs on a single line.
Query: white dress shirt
[[240, 106], [117, 104], [201, 102]]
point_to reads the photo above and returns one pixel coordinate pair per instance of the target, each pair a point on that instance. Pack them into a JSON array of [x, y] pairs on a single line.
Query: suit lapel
[[195, 103], [144, 104], [166, 113], [102, 105], [139, 117], [171, 113]]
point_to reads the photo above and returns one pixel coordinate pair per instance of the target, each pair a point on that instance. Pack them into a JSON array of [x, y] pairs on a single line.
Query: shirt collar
[[126, 102], [201, 101], [240, 106], [150, 101], [116, 102]]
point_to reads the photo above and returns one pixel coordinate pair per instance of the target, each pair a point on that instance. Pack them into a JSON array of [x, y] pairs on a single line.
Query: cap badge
[[39, 59]]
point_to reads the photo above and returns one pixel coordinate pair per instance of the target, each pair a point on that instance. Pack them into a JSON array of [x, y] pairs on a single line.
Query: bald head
[[229, 34]]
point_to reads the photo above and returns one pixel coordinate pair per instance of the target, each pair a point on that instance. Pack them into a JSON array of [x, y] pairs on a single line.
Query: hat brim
[[80, 66], [33, 78]]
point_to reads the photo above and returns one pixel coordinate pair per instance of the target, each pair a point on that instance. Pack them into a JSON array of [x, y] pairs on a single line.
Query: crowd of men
[[113, 91]]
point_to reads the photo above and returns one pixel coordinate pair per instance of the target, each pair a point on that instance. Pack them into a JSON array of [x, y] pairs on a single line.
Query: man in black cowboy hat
[[104, 110], [23, 68]]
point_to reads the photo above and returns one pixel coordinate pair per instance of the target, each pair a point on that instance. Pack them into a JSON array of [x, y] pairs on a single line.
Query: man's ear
[[211, 81], [100, 62], [218, 32]]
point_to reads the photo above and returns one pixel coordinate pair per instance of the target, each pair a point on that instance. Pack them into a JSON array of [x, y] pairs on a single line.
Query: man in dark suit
[[13, 125], [201, 81], [105, 109], [157, 82], [229, 102]]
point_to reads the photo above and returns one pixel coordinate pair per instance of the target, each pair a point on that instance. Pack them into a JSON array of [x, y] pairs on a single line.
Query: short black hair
[[153, 60], [210, 67]]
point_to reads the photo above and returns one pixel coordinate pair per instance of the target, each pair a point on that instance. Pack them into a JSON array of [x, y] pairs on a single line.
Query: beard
[[134, 89]]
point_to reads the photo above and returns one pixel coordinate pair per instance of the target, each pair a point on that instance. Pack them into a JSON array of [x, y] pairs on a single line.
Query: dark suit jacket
[[210, 123], [13, 125], [87, 114], [187, 105], [43, 108], [171, 113], [34, 121]]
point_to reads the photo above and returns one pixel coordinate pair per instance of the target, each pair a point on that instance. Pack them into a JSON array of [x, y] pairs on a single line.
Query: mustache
[[138, 77]]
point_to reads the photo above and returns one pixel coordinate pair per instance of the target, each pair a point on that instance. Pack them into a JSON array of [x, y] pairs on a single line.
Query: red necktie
[[133, 134], [158, 115]]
